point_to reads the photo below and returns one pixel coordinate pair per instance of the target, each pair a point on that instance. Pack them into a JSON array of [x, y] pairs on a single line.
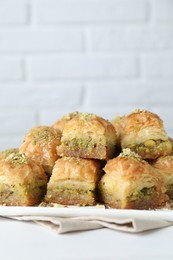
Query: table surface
[[29, 241]]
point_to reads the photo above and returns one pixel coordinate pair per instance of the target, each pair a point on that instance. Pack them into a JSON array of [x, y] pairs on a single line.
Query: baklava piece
[[131, 183], [88, 136], [143, 133], [171, 140], [22, 181], [118, 125], [40, 144], [164, 165], [60, 124], [8, 152], [73, 182]]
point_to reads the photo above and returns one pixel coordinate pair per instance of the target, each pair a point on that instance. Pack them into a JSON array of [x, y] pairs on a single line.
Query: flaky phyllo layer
[[130, 182], [22, 181], [144, 133], [88, 136]]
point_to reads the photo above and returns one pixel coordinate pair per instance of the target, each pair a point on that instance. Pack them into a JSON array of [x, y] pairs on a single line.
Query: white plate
[[85, 211]]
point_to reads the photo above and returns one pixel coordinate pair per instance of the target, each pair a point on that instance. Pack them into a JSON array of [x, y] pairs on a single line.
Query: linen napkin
[[62, 225]]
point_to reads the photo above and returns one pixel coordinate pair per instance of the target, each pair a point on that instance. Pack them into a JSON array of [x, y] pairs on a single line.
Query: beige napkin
[[71, 224]]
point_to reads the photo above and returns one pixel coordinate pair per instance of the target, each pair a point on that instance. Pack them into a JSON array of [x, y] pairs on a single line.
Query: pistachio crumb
[[70, 115], [87, 116], [17, 159], [139, 110], [129, 154], [52, 205], [44, 135], [100, 206], [8, 152]]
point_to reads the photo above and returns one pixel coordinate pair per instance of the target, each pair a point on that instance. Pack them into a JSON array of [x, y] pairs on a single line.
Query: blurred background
[[102, 56]]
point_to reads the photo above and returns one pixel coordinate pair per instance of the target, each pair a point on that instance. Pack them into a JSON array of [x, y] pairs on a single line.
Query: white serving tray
[[74, 211]]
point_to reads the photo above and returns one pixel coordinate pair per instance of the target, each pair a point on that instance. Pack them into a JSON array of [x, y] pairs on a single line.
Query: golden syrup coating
[[144, 133], [60, 124], [22, 181], [130, 182], [40, 144], [73, 182], [88, 136]]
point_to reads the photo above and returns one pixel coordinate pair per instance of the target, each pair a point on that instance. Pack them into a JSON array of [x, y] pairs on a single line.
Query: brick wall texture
[[102, 56]]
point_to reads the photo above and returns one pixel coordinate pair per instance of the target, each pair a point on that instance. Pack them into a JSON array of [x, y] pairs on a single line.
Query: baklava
[[164, 165], [118, 125], [88, 136], [60, 124], [171, 140], [8, 152], [74, 182], [40, 144], [143, 133], [22, 181], [131, 183]]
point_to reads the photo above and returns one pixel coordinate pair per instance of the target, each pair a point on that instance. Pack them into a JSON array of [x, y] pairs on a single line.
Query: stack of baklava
[[86, 141], [83, 159]]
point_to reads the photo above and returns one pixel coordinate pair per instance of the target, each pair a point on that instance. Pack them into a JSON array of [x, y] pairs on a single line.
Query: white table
[[29, 241]]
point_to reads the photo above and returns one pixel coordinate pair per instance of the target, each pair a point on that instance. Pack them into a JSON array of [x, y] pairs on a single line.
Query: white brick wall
[[11, 69], [67, 11], [135, 38], [41, 40], [102, 56], [163, 10], [39, 96], [83, 67], [158, 65], [14, 12]]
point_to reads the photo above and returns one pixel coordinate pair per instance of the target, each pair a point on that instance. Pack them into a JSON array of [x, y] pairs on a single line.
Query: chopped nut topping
[[52, 205], [129, 154], [139, 110], [70, 115], [43, 135], [17, 159], [8, 152], [87, 116]]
